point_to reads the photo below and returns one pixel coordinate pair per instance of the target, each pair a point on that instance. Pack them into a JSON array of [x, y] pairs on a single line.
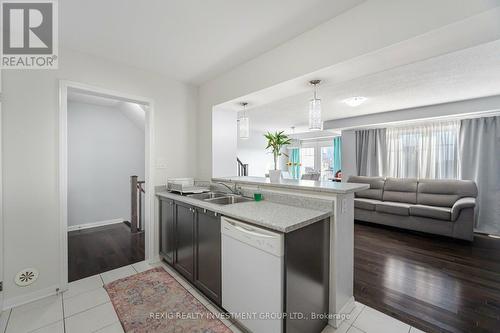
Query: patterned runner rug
[[153, 301]]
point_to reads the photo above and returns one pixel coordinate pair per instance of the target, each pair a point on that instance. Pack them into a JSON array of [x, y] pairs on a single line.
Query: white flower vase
[[275, 176]]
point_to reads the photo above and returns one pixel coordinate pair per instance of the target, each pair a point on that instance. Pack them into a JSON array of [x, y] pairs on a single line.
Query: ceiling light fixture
[[355, 101], [244, 123], [315, 123]]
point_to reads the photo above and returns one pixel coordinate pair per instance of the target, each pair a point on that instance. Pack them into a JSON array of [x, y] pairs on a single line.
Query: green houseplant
[[275, 142]]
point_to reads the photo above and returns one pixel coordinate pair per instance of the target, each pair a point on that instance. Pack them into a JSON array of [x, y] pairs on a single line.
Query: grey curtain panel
[[480, 161], [371, 152]]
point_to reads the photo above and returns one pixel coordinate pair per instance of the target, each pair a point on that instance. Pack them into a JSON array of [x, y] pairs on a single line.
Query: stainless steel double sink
[[219, 198]]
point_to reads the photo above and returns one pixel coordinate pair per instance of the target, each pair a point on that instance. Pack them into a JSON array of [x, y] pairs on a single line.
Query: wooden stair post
[[133, 212]]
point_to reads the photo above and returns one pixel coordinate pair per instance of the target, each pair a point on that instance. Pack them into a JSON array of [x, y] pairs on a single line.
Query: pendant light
[[315, 123], [244, 123]]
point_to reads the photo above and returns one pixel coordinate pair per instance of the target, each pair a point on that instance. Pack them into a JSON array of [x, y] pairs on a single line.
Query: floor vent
[[26, 277]]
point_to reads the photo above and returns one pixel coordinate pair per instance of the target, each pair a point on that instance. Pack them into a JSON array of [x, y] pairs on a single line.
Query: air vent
[[26, 277]]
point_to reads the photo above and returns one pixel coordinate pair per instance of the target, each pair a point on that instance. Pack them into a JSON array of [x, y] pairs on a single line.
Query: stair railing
[[242, 168], [136, 215]]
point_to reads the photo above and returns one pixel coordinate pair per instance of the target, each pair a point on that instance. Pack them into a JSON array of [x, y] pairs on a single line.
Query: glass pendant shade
[[244, 123], [315, 123], [244, 127]]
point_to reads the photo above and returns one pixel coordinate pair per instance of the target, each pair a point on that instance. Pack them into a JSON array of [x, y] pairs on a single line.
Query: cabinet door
[[167, 244], [208, 254], [184, 236]]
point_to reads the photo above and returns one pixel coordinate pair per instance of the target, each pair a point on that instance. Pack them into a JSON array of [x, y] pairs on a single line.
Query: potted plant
[[276, 141]]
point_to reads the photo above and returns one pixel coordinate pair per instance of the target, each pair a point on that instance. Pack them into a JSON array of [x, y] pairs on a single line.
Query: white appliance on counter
[[184, 186], [252, 275]]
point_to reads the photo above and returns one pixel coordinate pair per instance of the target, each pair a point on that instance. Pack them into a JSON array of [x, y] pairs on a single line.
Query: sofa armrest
[[467, 202]]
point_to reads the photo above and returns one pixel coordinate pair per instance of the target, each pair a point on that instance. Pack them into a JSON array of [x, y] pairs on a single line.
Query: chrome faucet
[[234, 190]]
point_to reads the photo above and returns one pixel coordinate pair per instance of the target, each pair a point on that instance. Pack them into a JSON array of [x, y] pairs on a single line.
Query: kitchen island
[[315, 222]]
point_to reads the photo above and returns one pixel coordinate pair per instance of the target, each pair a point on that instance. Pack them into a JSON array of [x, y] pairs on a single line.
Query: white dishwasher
[[252, 275]]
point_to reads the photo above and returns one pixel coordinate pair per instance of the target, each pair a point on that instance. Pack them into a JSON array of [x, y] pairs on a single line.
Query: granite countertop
[[305, 185], [274, 216]]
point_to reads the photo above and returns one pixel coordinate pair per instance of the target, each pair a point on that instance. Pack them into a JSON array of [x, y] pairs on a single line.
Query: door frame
[[2, 249], [149, 202], [317, 144]]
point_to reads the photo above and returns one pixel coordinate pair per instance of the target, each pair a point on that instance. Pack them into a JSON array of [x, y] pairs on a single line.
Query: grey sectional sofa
[[443, 207]]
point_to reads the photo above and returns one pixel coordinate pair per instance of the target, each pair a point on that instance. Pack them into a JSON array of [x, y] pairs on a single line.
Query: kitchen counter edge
[[289, 212]]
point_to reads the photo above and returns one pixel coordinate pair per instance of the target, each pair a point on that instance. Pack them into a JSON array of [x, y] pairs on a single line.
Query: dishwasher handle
[[250, 231], [263, 239]]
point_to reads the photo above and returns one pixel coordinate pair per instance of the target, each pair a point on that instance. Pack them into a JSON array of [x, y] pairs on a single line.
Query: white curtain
[[423, 151], [480, 161]]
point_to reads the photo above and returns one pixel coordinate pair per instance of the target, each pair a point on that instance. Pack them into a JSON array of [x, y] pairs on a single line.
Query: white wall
[[252, 151], [105, 148], [348, 155], [30, 154], [366, 28], [224, 138]]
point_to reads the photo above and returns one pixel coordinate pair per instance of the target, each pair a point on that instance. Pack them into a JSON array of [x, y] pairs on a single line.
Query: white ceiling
[[133, 111], [190, 40], [466, 74], [87, 98]]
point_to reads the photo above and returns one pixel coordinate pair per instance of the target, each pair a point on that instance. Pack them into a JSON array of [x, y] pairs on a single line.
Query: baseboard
[[95, 224], [28, 298], [339, 317], [154, 260]]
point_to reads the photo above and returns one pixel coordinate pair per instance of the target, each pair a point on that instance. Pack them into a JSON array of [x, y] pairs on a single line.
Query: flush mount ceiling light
[[244, 123], [355, 101], [315, 123]]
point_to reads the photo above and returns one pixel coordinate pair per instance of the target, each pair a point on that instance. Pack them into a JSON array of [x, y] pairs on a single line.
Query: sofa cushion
[[400, 190], [440, 213], [375, 190], [366, 204], [444, 192], [396, 208]]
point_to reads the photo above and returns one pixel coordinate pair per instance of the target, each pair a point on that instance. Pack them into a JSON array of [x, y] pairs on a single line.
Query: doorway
[[106, 197]]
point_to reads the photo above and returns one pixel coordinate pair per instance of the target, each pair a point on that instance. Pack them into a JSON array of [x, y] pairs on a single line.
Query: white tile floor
[[86, 308]]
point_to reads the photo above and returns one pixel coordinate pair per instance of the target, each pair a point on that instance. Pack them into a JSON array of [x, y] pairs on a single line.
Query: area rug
[[153, 301]]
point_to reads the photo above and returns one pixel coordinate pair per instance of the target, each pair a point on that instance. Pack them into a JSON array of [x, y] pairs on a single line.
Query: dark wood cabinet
[[190, 240], [208, 254], [184, 240], [167, 245]]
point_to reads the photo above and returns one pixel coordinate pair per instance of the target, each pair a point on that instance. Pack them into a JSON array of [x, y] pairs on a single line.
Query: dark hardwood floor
[[433, 283], [97, 250]]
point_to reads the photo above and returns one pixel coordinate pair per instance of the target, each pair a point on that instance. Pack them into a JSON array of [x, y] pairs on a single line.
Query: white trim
[[420, 121], [336, 321], [149, 213], [95, 224], [29, 297], [481, 107], [2, 248]]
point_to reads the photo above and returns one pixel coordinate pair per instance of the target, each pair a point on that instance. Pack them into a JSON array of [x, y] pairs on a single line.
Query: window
[[327, 171], [306, 160], [423, 151], [319, 156]]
